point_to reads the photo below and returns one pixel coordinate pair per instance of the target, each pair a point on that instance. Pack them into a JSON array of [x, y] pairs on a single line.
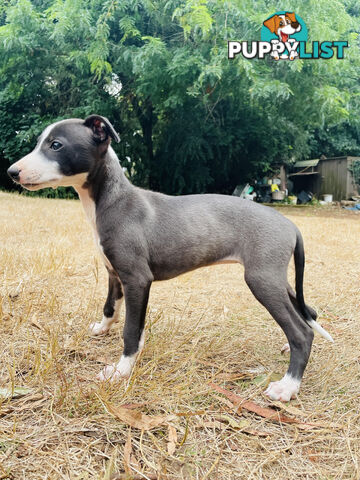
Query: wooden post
[[283, 177]]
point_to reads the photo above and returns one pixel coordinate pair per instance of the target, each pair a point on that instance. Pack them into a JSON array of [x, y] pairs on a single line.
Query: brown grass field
[[204, 330]]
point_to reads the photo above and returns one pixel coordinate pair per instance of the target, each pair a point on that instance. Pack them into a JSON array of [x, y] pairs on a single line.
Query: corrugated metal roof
[[306, 163]]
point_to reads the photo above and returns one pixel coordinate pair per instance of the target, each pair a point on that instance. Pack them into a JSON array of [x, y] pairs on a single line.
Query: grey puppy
[[145, 236]]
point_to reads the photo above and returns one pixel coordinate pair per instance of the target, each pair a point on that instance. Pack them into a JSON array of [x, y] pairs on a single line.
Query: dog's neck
[[104, 182], [106, 179]]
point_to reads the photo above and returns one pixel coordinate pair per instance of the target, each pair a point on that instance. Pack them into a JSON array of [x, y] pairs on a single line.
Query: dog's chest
[[90, 212]]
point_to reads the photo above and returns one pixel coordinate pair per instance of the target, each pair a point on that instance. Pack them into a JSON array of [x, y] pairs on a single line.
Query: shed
[[325, 176]]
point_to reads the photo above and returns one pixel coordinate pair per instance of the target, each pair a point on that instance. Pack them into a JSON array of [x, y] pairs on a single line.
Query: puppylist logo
[[283, 37]]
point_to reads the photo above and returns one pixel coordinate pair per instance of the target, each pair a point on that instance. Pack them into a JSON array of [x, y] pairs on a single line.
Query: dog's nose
[[14, 173], [295, 24]]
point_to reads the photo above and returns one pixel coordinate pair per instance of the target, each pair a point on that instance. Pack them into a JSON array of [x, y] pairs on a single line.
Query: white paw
[[285, 349], [284, 389], [110, 372], [117, 371], [98, 328]]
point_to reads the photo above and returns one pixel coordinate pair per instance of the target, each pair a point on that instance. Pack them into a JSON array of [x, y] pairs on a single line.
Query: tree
[[190, 120]]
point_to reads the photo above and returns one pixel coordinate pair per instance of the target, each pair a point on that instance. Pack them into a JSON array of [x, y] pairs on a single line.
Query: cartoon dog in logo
[[283, 26]]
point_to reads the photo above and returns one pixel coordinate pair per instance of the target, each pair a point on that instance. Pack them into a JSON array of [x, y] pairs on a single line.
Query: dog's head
[[283, 25], [64, 153]]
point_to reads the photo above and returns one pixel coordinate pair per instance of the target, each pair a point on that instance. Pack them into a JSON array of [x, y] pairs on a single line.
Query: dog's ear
[[292, 16], [270, 23], [102, 128]]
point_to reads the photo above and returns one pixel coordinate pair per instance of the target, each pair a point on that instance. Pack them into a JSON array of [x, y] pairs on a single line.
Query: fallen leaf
[[171, 446], [264, 379], [14, 393], [267, 412], [137, 419], [260, 379], [289, 409], [231, 421]]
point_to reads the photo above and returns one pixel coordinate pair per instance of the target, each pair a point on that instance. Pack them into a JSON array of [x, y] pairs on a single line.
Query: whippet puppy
[[145, 236]]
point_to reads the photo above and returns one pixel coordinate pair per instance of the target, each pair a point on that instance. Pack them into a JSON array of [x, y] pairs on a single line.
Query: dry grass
[[202, 327]]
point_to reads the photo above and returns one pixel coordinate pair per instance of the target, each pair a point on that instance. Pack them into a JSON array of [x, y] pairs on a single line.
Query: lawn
[[194, 407]]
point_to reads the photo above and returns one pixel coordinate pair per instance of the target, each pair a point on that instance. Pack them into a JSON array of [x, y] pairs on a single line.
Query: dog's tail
[[299, 258]]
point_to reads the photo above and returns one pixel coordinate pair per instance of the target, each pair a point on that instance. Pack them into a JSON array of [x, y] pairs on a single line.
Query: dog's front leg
[[111, 307], [136, 293]]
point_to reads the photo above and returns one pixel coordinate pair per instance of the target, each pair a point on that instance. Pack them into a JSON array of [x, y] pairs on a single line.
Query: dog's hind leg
[[111, 308], [294, 301], [312, 312], [269, 286]]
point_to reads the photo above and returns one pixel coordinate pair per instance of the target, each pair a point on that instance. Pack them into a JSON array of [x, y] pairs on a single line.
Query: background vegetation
[[190, 119]]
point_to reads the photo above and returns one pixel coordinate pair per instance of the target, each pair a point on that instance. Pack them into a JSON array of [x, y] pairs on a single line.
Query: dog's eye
[[281, 24], [55, 145]]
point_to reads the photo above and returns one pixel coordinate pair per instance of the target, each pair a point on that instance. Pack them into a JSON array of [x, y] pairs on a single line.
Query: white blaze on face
[[37, 171], [35, 168]]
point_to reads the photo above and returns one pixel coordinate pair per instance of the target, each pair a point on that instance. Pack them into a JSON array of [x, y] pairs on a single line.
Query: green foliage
[[60, 192], [194, 18], [190, 120]]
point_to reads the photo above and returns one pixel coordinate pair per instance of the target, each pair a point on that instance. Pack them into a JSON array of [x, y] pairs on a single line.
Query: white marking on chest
[[90, 212]]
